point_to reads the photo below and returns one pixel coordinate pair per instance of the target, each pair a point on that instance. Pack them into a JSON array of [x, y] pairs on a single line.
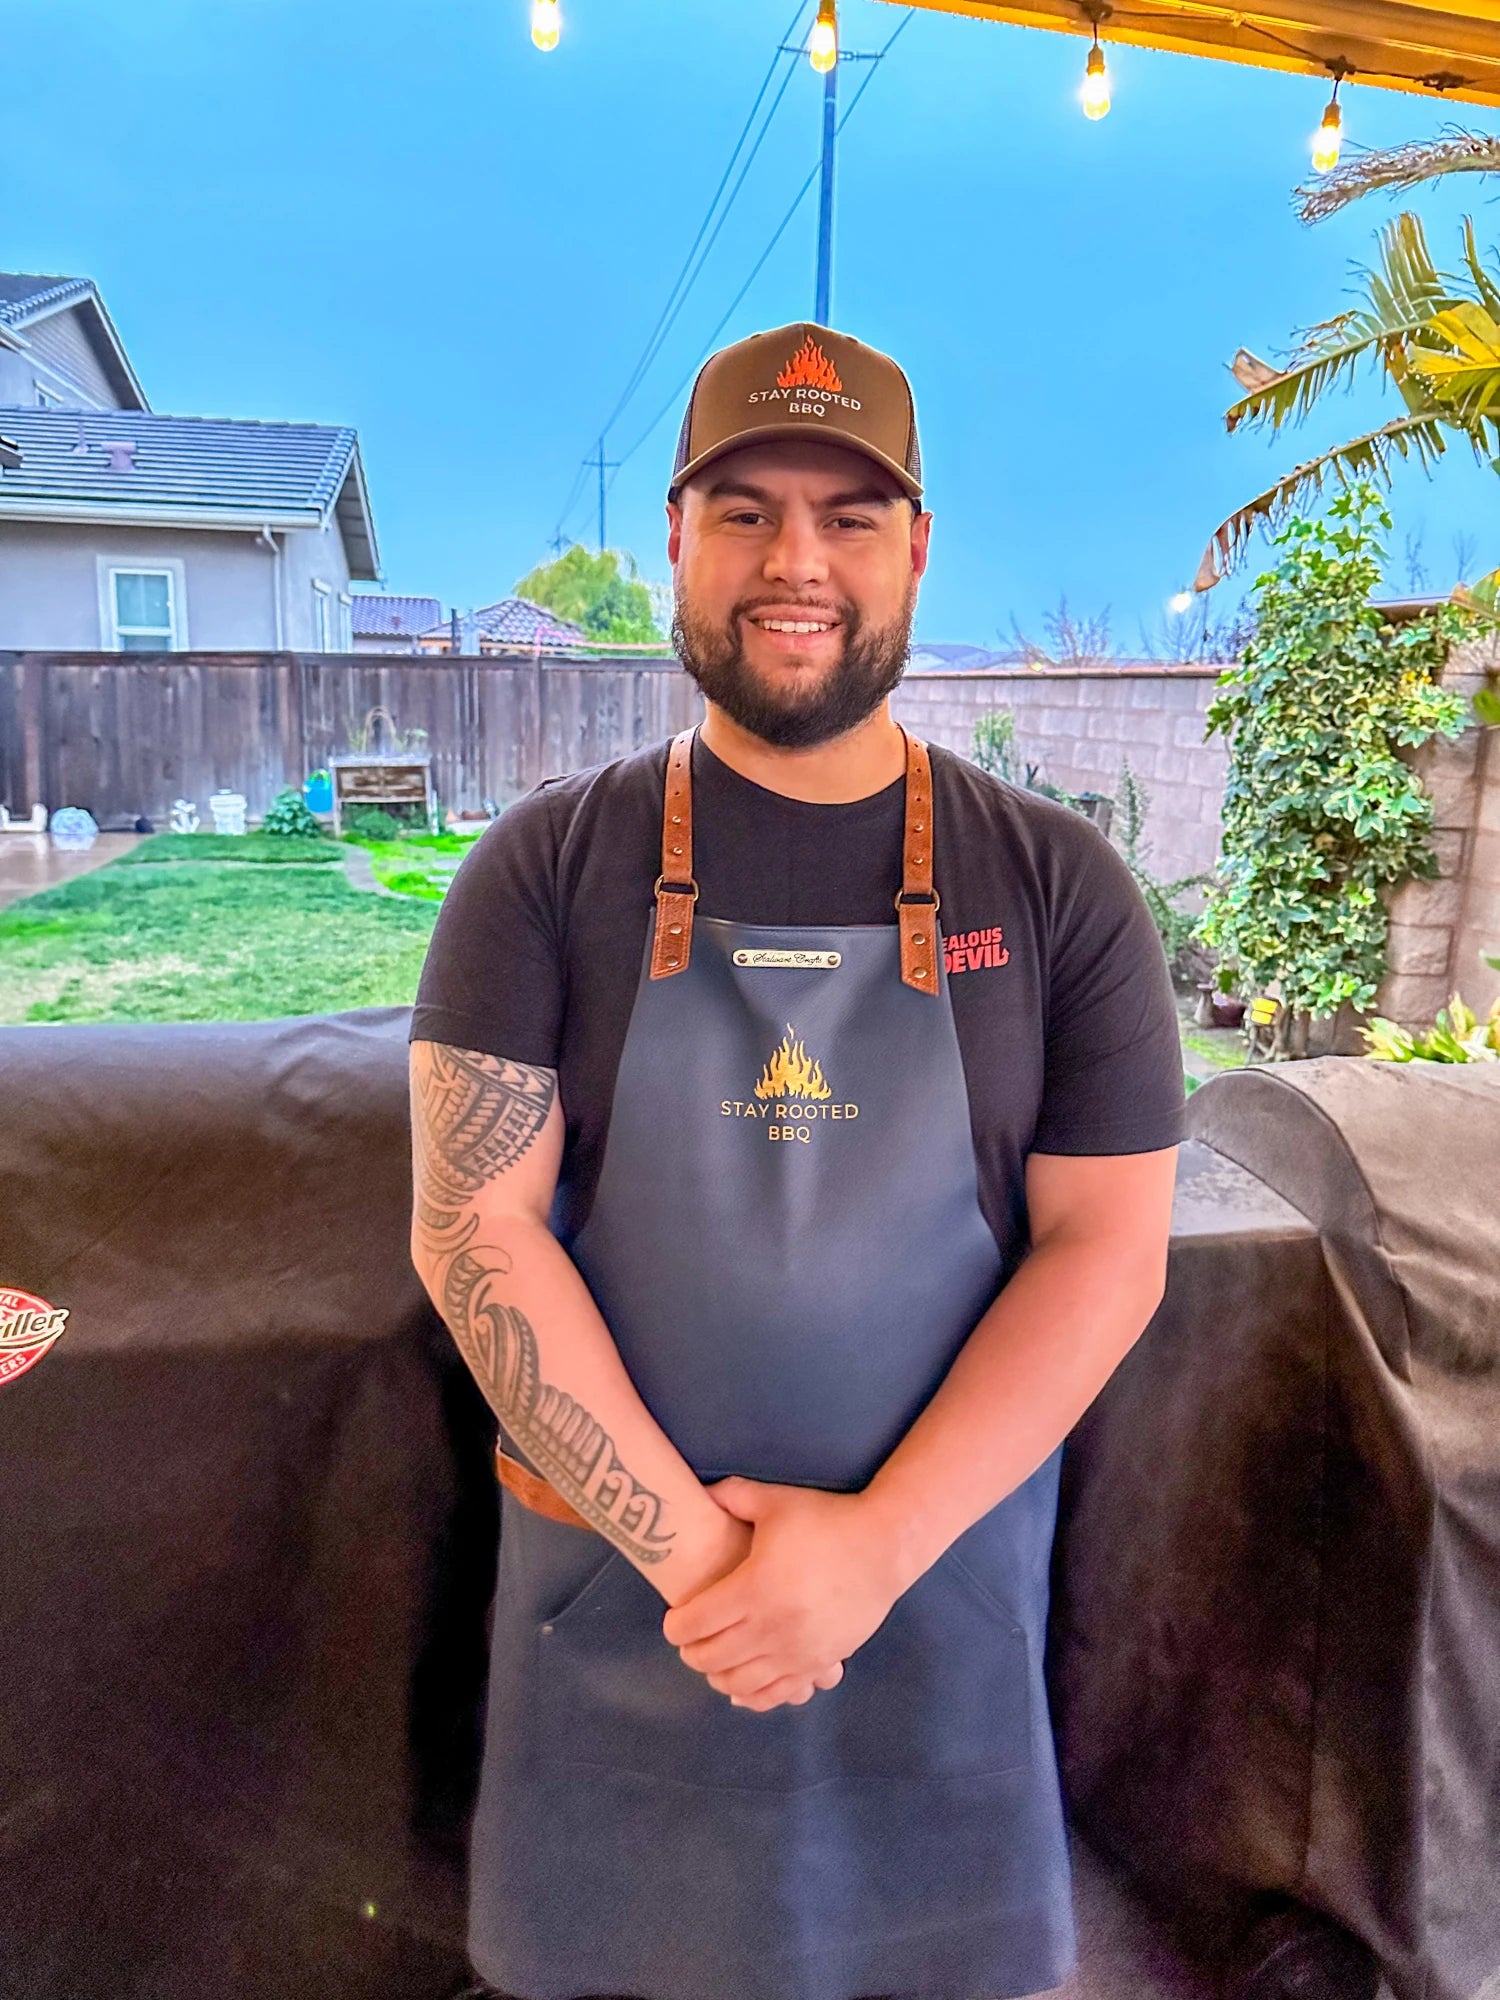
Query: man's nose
[[797, 556]]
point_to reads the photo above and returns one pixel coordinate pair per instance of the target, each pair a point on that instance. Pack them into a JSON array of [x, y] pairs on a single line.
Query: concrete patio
[[30, 861]]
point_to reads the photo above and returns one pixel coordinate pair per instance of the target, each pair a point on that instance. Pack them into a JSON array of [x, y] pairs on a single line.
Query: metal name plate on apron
[[787, 1246]]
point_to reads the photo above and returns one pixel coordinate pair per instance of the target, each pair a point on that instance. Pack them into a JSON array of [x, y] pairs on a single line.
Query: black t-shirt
[[1066, 1022]]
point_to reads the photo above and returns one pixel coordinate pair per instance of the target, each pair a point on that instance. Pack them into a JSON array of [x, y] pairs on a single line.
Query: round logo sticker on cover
[[29, 1327]]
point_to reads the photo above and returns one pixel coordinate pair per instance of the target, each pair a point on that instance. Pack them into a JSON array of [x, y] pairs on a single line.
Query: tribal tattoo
[[473, 1116]]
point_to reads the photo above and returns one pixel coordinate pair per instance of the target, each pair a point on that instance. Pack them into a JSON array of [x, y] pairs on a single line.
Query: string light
[[546, 24], [823, 43], [1180, 603], [1330, 134], [1095, 93], [1328, 138]]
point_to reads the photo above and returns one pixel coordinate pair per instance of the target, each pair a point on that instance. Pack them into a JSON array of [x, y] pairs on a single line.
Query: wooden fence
[[127, 733]]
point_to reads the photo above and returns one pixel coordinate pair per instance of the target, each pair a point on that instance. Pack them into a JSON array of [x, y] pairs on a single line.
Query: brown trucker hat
[[801, 381]]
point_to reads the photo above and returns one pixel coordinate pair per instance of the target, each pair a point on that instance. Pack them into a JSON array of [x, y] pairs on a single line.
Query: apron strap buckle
[[676, 891], [917, 900]]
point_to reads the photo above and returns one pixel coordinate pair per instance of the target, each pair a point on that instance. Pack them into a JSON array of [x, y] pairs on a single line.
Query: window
[[142, 608], [322, 608], [346, 622], [48, 399]]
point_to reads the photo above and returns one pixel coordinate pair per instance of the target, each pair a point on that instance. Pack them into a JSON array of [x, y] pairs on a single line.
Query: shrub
[[371, 823], [1174, 926], [1455, 1037], [1321, 815], [287, 814], [995, 743]]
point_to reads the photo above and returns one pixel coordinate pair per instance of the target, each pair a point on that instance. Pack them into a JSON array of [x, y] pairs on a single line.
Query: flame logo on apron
[[791, 1073]]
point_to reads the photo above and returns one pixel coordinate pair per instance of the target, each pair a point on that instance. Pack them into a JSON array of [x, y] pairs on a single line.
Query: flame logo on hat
[[809, 368]]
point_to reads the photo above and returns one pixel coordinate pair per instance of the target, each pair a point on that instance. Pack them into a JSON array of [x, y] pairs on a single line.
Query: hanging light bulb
[[546, 24], [1095, 94], [823, 43], [1180, 603], [1329, 135]]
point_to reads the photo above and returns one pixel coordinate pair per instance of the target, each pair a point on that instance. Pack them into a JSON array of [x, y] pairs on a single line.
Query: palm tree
[[1435, 336]]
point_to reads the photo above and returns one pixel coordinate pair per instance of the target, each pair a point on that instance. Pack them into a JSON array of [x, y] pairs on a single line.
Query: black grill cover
[[250, 1518], [249, 1526], [1275, 1646]]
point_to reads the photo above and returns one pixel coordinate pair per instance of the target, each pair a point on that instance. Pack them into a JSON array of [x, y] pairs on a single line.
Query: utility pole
[[823, 301], [604, 465], [823, 305]]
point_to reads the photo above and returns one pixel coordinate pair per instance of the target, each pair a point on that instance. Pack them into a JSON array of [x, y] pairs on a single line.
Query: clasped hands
[[818, 1579]]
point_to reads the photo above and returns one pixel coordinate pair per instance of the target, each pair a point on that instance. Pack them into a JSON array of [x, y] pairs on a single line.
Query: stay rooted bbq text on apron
[[787, 1246]]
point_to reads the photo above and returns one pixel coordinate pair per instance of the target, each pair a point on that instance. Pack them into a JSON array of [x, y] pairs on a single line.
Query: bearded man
[[788, 1225]]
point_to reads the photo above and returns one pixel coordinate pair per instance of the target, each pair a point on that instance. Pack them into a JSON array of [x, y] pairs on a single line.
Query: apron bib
[[787, 1246]]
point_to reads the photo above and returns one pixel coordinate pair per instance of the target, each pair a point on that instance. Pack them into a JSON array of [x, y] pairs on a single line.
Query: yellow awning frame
[[1437, 49]]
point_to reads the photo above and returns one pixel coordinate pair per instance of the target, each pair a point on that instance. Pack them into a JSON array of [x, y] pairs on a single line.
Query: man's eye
[[851, 521], [747, 516]]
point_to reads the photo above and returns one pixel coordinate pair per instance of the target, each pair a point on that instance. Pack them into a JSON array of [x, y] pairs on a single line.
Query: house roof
[[384, 616], [1435, 47], [194, 472], [28, 296], [944, 658], [516, 621]]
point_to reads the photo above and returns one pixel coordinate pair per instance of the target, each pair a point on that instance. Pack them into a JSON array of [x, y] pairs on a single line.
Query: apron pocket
[[941, 1689], [612, 1692]]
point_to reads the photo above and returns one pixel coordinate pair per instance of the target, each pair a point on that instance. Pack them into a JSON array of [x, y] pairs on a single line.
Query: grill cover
[[250, 1522], [1275, 1646]]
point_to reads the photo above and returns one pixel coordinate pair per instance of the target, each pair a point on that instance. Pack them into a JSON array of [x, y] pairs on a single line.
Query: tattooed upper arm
[[475, 1119]]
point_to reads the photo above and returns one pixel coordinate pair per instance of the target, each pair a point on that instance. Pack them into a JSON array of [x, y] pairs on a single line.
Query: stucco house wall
[[50, 596]]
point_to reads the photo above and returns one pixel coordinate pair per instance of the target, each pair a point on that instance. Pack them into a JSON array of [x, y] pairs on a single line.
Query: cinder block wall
[[1439, 928], [1080, 726]]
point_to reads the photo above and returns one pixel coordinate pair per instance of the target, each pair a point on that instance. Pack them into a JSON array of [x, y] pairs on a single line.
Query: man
[[788, 1228]]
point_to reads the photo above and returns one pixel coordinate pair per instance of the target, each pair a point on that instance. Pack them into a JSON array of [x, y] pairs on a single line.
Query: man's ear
[[921, 531], [674, 532]]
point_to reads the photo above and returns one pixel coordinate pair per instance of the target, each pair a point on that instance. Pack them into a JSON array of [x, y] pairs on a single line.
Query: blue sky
[[405, 219]]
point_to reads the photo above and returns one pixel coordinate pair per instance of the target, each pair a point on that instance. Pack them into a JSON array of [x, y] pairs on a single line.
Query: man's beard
[[795, 717]]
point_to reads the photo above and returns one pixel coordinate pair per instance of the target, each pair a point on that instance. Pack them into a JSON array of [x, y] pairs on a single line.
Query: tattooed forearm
[[474, 1115], [573, 1451]]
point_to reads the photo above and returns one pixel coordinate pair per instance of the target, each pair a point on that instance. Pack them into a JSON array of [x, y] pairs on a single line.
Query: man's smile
[[792, 631]]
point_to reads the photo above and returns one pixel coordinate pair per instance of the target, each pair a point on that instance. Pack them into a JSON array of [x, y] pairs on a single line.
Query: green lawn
[[223, 927], [208, 927], [419, 864]]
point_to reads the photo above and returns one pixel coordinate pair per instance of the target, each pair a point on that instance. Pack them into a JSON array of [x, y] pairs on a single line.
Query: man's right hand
[[790, 1690]]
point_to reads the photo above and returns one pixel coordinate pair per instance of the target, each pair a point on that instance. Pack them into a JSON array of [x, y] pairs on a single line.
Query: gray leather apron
[[787, 1246]]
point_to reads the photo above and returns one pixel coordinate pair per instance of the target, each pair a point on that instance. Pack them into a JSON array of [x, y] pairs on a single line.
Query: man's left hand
[[819, 1579]]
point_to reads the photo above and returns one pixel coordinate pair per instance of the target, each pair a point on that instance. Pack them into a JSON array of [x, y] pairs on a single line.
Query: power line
[[781, 228], [674, 304], [677, 297]]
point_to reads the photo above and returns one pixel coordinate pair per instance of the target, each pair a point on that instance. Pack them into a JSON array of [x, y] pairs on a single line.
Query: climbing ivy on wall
[[1321, 814]]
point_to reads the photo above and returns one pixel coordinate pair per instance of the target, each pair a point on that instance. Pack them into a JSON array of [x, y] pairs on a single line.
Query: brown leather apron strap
[[917, 901], [676, 891], [534, 1492]]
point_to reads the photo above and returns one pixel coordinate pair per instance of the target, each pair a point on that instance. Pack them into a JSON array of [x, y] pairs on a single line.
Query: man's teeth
[[791, 625]]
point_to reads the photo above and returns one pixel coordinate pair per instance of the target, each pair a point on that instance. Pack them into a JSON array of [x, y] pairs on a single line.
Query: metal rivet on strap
[[675, 929], [677, 819], [920, 973], [917, 860], [546, 1628], [918, 938], [672, 962], [677, 850]]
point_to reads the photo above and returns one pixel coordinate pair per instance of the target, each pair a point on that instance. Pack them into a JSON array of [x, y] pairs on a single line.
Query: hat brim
[[798, 434]]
